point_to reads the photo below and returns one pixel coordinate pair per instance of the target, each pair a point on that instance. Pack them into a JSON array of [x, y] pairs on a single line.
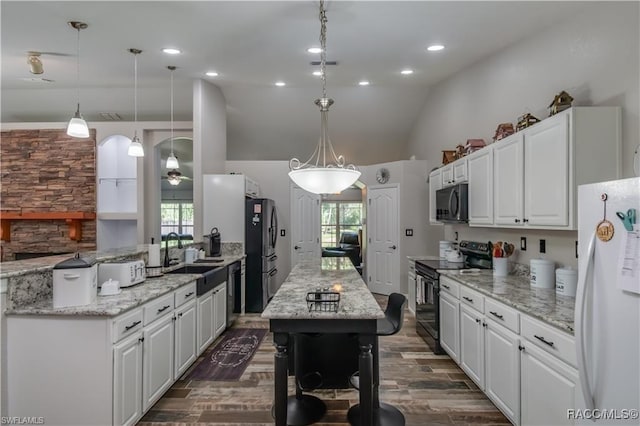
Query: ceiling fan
[[174, 177], [35, 63]]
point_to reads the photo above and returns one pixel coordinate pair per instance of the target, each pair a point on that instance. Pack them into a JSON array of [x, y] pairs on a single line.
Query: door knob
[[296, 247], [392, 247]]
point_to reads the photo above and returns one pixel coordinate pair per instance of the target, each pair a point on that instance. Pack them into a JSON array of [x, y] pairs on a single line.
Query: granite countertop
[[424, 257], [356, 301], [515, 291]]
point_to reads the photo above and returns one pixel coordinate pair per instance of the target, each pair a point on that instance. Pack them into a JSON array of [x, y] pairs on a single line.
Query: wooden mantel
[[73, 219]]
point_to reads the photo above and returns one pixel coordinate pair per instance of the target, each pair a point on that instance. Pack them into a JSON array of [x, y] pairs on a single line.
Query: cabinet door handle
[[141, 339], [517, 220], [129, 327], [525, 220], [446, 286], [393, 247], [478, 320], [520, 348], [164, 308], [484, 324], [180, 315], [497, 315], [188, 294], [543, 340], [468, 299], [296, 247]]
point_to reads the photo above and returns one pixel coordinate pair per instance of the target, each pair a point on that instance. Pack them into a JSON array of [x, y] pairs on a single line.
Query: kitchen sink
[[212, 276]]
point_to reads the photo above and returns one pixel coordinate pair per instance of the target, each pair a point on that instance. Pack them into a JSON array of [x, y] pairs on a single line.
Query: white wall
[[595, 57], [273, 178]]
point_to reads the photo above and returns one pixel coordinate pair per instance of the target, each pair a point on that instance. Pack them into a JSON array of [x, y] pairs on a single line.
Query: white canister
[[190, 255], [542, 273], [566, 281], [75, 282], [445, 248]]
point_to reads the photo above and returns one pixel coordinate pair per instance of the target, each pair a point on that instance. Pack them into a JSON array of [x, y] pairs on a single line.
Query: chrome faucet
[[166, 247]]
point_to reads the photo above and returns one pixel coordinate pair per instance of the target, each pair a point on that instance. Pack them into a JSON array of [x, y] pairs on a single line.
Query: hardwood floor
[[429, 389]]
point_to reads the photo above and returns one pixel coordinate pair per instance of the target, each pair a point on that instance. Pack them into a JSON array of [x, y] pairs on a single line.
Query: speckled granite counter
[[356, 301], [424, 257], [129, 298], [516, 292]]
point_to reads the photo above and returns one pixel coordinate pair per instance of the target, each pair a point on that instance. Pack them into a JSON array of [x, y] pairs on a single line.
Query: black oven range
[[477, 255]]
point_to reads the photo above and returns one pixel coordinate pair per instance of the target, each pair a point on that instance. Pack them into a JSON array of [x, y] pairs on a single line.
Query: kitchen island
[[357, 312]]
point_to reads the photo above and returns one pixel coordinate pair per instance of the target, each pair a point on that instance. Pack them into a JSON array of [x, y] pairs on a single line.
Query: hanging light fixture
[[77, 127], [172, 161], [314, 175], [135, 147]]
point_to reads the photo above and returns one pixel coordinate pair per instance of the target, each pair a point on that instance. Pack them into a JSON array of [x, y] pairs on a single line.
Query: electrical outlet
[[543, 246], [523, 243], [408, 232], [282, 233], [456, 236]]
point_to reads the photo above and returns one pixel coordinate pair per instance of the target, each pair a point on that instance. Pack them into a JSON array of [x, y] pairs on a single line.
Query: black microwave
[[452, 204]]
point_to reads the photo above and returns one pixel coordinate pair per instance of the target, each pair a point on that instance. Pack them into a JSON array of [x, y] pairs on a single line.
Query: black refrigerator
[[261, 234]]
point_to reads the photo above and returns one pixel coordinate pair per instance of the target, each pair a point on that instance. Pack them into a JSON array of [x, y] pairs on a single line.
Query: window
[[338, 217], [177, 217]]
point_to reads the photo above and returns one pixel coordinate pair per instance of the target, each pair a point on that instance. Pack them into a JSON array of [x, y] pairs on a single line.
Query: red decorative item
[[474, 145], [503, 130]]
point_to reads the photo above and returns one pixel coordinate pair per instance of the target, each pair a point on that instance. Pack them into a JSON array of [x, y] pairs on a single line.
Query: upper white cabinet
[[537, 170], [454, 173], [435, 183], [480, 171], [117, 194]]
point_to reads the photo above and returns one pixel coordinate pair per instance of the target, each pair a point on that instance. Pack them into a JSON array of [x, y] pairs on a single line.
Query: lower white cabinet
[[185, 339], [219, 309], [158, 349], [472, 344], [502, 369], [449, 325], [127, 380], [548, 388]]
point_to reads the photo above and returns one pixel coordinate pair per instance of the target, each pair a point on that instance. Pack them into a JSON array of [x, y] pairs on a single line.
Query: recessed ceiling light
[[364, 83], [435, 47], [280, 83], [317, 73], [212, 74], [314, 50], [406, 72], [171, 51]]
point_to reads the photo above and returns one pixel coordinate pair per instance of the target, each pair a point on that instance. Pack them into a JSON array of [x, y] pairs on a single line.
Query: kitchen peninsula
[[357, 312]]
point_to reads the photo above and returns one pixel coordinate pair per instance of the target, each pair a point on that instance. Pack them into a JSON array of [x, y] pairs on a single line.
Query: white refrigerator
[[607, 314]]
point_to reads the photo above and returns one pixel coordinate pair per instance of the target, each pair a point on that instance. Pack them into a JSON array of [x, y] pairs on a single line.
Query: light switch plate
[[523, 243], [408, 232], [282, 233]]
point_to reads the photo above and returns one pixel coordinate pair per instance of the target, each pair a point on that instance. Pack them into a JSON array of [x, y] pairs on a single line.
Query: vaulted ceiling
[[252, 45]]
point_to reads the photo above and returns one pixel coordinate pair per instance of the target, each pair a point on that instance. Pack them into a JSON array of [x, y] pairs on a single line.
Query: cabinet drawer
[[502, 314], [547, 338], [127, 324], [472, 298], [158, 308], [449, 286], [184, 294]]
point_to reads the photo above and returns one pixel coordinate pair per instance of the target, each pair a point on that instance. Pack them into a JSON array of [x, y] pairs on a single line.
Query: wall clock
[[382, 176]]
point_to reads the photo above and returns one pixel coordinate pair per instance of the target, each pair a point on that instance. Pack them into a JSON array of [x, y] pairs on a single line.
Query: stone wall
[[47, 171]]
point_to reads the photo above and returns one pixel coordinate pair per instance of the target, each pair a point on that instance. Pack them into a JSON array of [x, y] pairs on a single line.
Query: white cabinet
[[537, 170], [158, 350], [502, 369], [480, 168], [548, 388], [127, 380], [447, 175], [117, 194], [219, 309], [411, 286], [454, 173], [435, 183], [185, 344], [204, 312], [472, 344], [449, 325]]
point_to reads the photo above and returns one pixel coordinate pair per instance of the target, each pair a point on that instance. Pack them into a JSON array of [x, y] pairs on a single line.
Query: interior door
[[305, 225], [383, 254]]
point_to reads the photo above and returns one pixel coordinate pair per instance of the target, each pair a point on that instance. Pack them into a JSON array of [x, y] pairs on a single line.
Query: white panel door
[[185, 337], [205, 321], [158, 360], [472, 345], [383, 254], [449, 326], [508, 182], [219, 310], [305, 225], [127, 381], [546, 168], [480, 166], [502, 374]]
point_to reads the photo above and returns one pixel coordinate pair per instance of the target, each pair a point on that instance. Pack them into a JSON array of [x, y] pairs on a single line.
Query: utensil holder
[[500, 266]]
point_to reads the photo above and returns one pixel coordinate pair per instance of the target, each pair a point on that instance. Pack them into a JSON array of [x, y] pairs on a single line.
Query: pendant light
[[313, 175], [172, 161], [135, 147], [77, 127]]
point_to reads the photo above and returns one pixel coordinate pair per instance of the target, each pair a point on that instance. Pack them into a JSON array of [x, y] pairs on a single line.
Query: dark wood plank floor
[[429, 389]]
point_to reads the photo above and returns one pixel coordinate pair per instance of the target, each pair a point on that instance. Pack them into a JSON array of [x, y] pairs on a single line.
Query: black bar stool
[[383, 414]]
